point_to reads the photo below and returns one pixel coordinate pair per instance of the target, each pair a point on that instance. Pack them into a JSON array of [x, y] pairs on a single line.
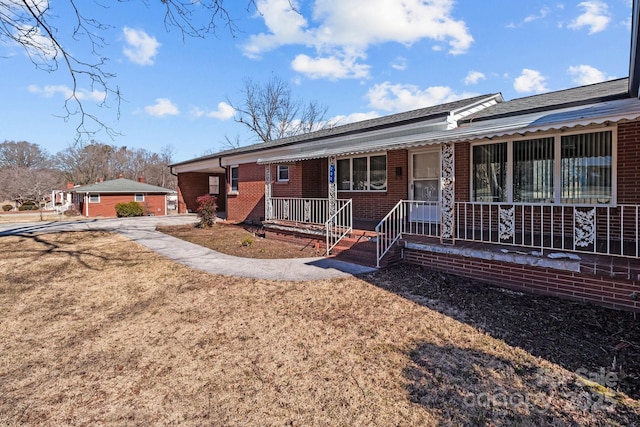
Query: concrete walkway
[[142, 230]]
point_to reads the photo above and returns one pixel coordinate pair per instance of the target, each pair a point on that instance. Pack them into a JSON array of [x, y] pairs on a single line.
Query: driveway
[[143, 231]]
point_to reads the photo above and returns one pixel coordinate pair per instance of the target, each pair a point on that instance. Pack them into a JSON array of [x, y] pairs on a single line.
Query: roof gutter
[[634, 59]]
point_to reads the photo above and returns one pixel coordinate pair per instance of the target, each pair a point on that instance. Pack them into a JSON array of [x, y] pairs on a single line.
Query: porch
[[603, 239]]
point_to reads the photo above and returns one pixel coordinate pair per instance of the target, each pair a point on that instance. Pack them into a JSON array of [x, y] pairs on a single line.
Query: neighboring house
[[100, 199], [538, 194]]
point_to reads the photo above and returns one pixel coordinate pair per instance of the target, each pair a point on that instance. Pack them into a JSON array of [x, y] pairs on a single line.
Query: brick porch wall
[[599, 289]]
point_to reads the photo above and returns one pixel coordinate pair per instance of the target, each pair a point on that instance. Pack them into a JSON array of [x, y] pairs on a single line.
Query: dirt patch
[[95, 329], [241, 240]]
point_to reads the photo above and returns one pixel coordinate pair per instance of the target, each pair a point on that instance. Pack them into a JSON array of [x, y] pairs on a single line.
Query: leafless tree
[[86, 163], [25, 184], [38, 26], [271, 112], [23, 154]]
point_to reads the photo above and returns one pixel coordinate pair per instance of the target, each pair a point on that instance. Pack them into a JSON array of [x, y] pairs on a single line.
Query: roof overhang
[[595, 114]]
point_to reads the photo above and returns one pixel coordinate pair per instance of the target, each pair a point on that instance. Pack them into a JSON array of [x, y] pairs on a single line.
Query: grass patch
[[95, 329]]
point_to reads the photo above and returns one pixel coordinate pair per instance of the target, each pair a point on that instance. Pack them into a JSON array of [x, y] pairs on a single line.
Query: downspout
[[226, 193], [634, 58]]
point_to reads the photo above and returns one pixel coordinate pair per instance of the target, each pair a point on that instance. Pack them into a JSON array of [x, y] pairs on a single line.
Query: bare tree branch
[[271, 112], [31, 24]]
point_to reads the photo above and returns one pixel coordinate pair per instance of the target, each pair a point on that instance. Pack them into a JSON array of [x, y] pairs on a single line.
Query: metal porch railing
[[592, 229], [313, 214]]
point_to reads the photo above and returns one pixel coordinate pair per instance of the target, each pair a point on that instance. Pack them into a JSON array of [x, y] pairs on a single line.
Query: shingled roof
[[408, 117], [599, 92], [120, 185]]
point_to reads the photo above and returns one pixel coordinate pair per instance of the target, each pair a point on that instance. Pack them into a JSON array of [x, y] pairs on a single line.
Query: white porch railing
[[301, 210], [339, 225], [406, 217], [594, 229], [314, 212]]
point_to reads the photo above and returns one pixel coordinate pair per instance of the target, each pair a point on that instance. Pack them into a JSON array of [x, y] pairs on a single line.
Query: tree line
[[28, 173]]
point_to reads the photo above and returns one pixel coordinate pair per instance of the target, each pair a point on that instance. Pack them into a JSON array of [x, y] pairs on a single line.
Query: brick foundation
[[579, 286]]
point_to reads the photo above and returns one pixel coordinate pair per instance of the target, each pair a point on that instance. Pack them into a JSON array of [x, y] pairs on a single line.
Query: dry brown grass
[[96, 329], [241, 240]]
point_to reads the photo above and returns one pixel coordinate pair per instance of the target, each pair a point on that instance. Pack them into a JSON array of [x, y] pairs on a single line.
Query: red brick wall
[[153, 204], [374, 205], [462, 165], [192, 185], [315, 182], [291, 188], [601, 290], [248, 204], [629, 163]]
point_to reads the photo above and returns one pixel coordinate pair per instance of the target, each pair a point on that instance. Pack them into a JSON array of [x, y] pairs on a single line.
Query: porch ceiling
[[608, 112]]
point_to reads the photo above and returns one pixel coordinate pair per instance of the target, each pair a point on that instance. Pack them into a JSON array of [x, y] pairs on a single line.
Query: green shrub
[[129, 209], [7, 208], [28, 206], [207, 208]]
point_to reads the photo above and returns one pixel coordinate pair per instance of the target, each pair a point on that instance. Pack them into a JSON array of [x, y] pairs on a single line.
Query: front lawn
[[95, 329]]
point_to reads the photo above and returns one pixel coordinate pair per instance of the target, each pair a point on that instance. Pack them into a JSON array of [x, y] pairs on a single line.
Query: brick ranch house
[[100, 199], [537, 194]]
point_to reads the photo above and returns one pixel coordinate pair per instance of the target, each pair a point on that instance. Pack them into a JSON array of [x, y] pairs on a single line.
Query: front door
[[424, 186]]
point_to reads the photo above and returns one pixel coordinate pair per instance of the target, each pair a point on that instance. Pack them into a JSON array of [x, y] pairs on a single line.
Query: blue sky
[[361, 59]]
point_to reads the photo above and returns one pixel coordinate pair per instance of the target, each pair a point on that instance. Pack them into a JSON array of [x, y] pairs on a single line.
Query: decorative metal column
[[333, 186], [268, 207], [448, 191]]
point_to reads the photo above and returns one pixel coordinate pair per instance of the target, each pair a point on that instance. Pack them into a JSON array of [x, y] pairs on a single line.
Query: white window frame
[[90, 196], [237, 179], [138, 197], [282, 168], [557, 165], [367, 183]]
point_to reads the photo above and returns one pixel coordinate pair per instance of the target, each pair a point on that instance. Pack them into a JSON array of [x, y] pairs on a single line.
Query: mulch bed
[[596, 342]]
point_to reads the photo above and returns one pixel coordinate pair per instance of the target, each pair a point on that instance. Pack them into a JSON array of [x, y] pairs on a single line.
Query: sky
[[360, 59]]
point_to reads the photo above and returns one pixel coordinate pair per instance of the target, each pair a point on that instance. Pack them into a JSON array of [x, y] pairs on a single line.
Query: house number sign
[[332, 173]]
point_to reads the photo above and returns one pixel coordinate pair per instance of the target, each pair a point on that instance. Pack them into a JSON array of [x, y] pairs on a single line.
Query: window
[[94, 198], [214, 185], [283, 173], [233, 172], [586, 168], [533, 171], [138, 197], [489, 172], [367, 173], [574, 168]]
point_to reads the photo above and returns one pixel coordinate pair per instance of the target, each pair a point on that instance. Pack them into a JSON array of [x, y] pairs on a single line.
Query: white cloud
[[543, 12], [352, 118], [586, 75], [141, 48], [596, 17], [346, 29], [474, 77], [530, 81], [162, 107], [332, 67], [224, 112], [400, 63], [404, 97], [82, 94]]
